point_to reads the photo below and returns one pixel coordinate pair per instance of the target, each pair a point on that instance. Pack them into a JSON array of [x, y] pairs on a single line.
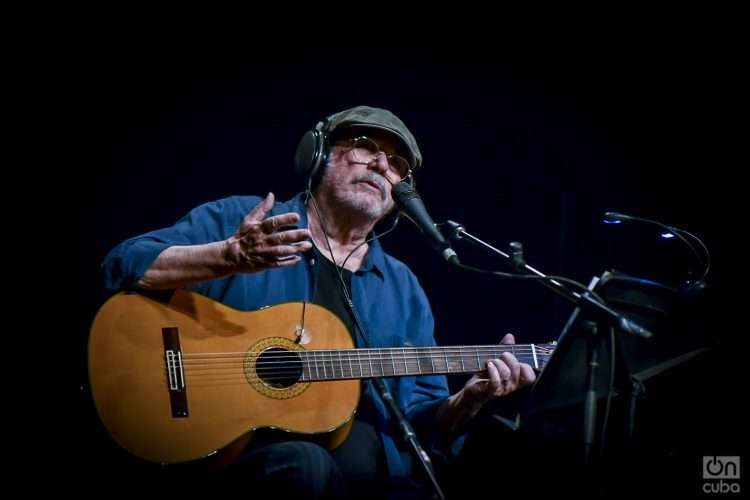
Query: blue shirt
[[388, 298]]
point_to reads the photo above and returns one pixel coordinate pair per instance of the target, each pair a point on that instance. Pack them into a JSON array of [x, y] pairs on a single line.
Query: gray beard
[[362, 203], [354, 198]]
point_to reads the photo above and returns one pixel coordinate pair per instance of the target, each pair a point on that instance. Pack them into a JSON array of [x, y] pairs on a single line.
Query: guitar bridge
[[175, 372]]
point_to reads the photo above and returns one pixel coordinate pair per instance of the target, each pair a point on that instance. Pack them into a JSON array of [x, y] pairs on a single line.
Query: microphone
[[411, 205], [617, 218], [614, 217]]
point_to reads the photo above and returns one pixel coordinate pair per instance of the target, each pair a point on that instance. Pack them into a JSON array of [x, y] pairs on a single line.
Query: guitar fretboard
[[396, 361]]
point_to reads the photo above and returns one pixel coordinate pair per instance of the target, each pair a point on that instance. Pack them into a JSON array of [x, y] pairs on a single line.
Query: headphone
[[312, 153]]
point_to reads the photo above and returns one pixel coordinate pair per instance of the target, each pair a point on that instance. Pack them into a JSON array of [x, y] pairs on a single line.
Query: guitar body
[[215, 399]]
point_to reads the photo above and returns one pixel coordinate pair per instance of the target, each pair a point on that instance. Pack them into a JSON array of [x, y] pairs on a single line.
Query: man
[[249, 252]]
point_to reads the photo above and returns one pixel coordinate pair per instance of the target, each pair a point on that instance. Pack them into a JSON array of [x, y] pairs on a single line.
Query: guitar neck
[[340, 364]]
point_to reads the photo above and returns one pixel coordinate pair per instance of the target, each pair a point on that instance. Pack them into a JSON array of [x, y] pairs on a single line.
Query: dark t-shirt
[[329, 294], [354, 456]]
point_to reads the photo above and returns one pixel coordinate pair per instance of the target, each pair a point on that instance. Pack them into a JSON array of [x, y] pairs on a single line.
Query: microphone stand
[[585, 301], [403, 424], [410, 437]]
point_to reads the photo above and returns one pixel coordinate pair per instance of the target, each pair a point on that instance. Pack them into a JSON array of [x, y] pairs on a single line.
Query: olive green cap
[[377, 118]]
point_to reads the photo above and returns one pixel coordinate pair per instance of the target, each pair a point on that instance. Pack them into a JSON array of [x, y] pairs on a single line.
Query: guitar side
[[223, 400]]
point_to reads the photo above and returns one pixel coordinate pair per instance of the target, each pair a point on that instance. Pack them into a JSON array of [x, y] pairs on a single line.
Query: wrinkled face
[[360, 177]]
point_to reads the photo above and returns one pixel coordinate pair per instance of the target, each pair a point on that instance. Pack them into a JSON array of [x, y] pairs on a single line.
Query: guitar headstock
[[543, 353], [547, 348]]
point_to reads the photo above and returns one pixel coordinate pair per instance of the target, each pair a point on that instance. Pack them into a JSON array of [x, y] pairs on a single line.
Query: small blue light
[[667, 235], [611, 221]]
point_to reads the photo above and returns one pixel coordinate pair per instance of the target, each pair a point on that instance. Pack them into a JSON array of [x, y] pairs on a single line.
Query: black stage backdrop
[[529, 142]]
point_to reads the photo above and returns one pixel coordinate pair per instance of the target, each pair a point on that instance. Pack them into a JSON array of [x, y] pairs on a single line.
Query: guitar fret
[[445, 355], [369, 358], [349, 356], [533, 353]]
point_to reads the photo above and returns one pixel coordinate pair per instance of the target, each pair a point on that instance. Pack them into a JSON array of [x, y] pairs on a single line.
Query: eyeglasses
[[365, 150]]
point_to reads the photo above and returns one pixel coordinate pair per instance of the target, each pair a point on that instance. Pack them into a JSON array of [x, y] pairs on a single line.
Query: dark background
[[530, 141]]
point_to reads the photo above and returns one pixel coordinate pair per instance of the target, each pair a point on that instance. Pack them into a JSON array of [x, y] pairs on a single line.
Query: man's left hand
[[502, 376]]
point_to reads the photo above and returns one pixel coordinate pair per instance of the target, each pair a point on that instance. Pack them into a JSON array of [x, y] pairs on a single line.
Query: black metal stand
[[589, 415], [584, 300], [410, 437], [408, 432], [603, 317]]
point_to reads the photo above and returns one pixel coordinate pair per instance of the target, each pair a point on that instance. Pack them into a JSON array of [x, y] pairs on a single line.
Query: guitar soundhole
[[278, 367]]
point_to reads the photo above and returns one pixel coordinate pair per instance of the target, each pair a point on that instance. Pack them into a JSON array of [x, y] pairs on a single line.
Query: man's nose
[[379, 163]]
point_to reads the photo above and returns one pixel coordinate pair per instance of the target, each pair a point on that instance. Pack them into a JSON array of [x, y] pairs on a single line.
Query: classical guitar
[[174, 381]]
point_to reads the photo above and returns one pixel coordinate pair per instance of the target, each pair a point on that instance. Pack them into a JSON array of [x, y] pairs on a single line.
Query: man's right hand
[[259, 244]]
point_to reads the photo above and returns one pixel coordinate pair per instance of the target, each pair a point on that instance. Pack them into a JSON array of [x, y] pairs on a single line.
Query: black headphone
[[312, 153]]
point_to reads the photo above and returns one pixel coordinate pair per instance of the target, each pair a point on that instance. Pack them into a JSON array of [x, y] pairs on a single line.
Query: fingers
[[500, 374], [278, 251], [267, 232], [527, 375], [273, 224], [289, 237], [495, 378], [261, 209], [506, 375], [513, 365], [281, 243], [286, 262]]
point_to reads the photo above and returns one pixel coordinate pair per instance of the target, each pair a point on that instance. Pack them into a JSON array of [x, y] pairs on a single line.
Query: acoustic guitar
[[178, 380]]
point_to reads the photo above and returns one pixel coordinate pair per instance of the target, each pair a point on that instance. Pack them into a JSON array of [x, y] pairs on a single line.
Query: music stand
[[563, 385]]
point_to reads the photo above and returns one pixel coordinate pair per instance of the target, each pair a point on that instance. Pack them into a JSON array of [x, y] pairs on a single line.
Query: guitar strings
[[283, 373], [268, 360], [403, 360], [203, 368], [315, 356], [211, 367], [314, 373], [398, 351], [242, 378], [299, 377]]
